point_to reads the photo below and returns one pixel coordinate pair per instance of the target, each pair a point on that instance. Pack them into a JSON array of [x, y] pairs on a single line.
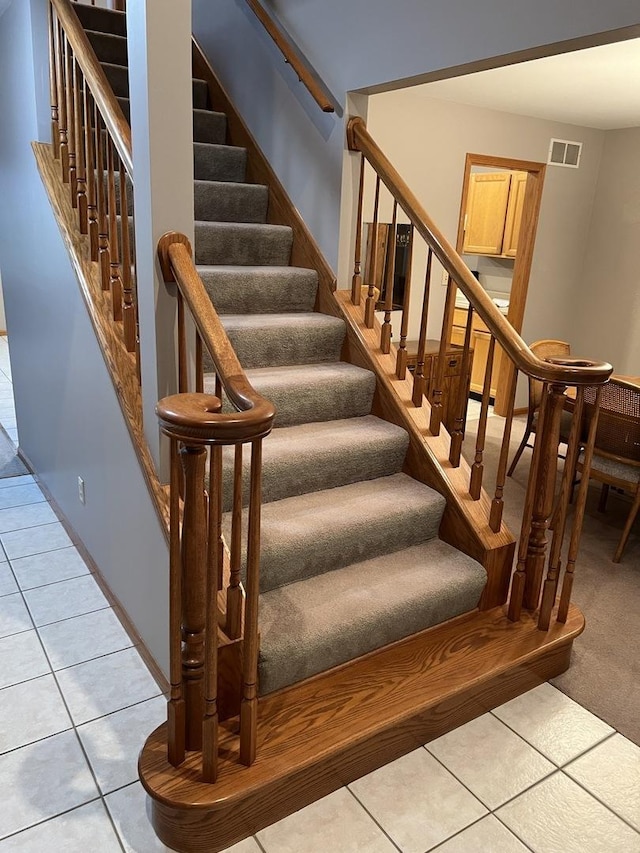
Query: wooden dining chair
[[616, 451], [543, 349]]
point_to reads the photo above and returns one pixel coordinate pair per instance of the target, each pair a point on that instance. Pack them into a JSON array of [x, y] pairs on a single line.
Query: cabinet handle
[[453, 362]]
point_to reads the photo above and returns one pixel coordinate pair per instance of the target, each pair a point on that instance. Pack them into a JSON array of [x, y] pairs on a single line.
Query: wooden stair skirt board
[[324, 733]]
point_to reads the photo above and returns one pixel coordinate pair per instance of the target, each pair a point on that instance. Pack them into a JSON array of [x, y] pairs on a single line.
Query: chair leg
[[604, 494], [516, 458], [633, 512]]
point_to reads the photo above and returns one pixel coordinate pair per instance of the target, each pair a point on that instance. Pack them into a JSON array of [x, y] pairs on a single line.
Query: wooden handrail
[[255, 416], [307, 76], [94, 74], [567, 371]]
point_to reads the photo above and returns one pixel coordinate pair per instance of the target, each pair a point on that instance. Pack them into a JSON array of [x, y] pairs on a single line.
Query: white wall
[[606, 310], [428, 139], [69, 420], [361, 44]]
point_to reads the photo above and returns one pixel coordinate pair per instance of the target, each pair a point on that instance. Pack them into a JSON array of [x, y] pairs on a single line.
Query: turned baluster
[[92, 209], [128, 302], [401, 358], [235, 598], [548, 433], [199, 364], [457, 433], [249, 704], [520, 575], [560, 516], [213, 584], [103, 219], [115, 282], [578, 517], [183, 367], [437, 406], [497, 504], [477, 469], [53, 83], [356, 281], [370, 304], [419, 379], [81, 173], [63, 146], [176, 719], [385, 332], [71, 120], [187, 418]]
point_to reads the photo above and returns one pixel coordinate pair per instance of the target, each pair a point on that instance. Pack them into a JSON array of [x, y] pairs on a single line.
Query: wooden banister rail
[[576, 372], [210, 613], [306, 74], [92, 140], [101, 91], [532, 587]]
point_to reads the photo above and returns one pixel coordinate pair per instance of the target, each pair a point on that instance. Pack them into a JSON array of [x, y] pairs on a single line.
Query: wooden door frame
[[526, 241]]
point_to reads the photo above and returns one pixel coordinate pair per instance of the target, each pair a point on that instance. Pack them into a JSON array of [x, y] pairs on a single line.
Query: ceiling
[[598, 87]]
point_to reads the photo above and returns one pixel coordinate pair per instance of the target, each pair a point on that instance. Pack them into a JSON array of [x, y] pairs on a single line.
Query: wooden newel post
[[187, 420], [544, 490]]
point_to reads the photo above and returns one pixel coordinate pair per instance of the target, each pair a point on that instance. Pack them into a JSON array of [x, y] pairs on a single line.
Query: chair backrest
[[544, 349], [618, 432]]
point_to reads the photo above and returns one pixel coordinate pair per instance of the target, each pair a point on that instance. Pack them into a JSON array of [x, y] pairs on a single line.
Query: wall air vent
[[564, 153]]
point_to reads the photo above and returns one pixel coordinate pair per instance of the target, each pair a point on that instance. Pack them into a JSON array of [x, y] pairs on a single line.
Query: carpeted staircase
[[351, 559]]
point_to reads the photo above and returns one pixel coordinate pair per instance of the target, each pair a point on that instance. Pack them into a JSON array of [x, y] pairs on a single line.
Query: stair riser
[[101, 20], [228, 202], [255, 292], [219, 163], [255, 349], [284, 561], [109, 48], [308, 471], [237, 245]]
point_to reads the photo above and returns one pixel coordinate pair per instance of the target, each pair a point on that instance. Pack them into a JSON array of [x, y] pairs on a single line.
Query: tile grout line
[[46, 820], [377, 823]]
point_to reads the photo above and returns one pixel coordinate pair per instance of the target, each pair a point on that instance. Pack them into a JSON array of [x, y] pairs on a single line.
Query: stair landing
[[324, 733]]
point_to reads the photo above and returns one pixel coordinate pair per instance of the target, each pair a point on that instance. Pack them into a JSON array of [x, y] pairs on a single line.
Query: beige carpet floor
[[604, 675]]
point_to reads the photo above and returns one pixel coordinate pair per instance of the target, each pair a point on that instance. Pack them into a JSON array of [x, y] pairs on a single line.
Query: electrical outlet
[[81, 490], [445, 278]]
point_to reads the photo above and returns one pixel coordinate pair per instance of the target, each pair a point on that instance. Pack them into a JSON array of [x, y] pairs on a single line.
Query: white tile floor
[[540, 773]]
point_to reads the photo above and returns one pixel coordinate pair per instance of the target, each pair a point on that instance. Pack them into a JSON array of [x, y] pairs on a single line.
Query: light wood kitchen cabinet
[[480, 341], [495, 201]]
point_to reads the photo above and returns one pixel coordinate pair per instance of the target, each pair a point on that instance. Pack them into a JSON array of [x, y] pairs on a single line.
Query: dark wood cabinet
[[453, 376]]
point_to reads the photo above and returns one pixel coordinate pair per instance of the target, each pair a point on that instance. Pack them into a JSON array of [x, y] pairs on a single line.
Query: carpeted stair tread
[[109, 47], [118, 77], [101, 20], [260, 290], [318, 623], [240, 243], [213, 162], [307, 393], [318, 456], [227, 201], [345, 525], [208, 127], [275, 340]]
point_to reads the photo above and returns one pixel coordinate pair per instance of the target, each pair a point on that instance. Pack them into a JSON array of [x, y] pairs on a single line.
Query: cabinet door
[[480, 342], [514, 213], [487, 199]]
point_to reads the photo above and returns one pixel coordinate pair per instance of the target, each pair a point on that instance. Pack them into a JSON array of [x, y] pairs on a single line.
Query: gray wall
[[68, 417], [432, 157], [606, 310], [360, 44]]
